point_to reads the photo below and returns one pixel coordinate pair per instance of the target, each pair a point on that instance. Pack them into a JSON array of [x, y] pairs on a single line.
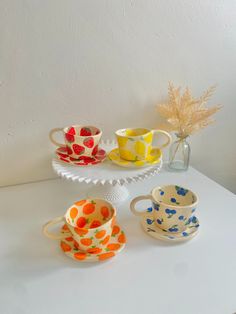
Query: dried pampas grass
[[185, 114]]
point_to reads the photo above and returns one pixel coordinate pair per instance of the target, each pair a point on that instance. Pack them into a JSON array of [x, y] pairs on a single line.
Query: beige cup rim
[[174, 206], [133, 136], [100, 227], [82, 126]]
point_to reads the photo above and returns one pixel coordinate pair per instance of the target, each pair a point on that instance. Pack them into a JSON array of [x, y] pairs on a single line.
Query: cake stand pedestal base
[[114, 194]]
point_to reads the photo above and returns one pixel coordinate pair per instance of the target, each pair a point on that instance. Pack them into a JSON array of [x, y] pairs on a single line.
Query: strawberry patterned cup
[[80, 141], [88, 221]]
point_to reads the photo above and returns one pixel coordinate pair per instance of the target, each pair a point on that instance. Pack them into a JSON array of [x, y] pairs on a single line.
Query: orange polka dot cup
[[88, 221], [80, 141]]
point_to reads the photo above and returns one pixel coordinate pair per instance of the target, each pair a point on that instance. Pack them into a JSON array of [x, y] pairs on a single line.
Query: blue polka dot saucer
[[152, 229]]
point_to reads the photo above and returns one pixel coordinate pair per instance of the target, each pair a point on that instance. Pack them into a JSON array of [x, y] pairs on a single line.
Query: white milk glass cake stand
[[109, 180]]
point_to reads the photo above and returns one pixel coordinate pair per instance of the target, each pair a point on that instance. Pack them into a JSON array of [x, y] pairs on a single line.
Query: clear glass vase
[[179, 154]]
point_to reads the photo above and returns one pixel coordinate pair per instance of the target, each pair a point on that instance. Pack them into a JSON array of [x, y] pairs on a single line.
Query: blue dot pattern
[[170, 211], [173, 229], [181, 191]]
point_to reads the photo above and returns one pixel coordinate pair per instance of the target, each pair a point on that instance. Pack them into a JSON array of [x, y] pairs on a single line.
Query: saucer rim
[[165, 237], [73, 163], [131, 163]]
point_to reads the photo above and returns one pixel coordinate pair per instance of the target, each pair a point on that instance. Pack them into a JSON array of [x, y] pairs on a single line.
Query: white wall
[[108, 63]]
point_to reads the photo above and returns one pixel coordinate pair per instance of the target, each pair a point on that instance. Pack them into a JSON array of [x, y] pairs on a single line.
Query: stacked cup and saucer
[[81, 147], [89, 231], [172, 214], [135, 148]]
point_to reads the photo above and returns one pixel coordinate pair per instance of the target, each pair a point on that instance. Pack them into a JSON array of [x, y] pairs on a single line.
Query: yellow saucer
[[153, 158]]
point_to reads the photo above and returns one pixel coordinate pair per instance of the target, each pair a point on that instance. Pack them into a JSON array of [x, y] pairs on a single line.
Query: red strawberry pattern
[[71, 131], [95, 150], [62, 155], [69, 150], [73, 159], [69, 137], [87, 159], [88, 142], [81, 160], [62, 150], [85, 132], [101, 154], [78, 150]]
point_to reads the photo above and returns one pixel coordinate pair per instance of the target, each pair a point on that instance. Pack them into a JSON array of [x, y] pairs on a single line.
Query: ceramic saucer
[[62, 155], [152, 229], [116, 244], [154, 158]]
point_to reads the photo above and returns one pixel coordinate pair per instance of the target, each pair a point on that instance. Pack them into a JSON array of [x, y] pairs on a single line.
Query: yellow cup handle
[[52, 139], [136, 200], [54, 236], [166, 134]]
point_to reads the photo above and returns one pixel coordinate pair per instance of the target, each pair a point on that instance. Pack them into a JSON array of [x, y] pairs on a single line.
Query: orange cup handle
[[54, 236]]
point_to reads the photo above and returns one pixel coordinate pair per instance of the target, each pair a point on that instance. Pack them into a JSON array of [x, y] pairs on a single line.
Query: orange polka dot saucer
[[114, 244]]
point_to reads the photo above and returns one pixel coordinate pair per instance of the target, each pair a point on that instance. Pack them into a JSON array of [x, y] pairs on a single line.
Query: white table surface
[[148, 276]]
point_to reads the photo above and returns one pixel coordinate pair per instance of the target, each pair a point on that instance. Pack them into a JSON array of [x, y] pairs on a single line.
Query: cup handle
[[52, 139], [53, 236], [136, 200], [166, 134]]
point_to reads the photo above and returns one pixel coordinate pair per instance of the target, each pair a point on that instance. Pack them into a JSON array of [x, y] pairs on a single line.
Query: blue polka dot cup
[[172, 207]]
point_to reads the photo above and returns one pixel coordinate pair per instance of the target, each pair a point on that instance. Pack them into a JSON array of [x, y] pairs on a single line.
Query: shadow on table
[[38, 257]]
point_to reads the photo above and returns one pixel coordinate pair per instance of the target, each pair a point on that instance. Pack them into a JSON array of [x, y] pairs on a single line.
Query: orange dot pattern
[[73, 212], [112, 245], [88, 214]]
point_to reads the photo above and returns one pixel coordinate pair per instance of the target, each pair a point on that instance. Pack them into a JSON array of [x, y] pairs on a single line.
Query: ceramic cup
[[136, 144], [172, 205], [79, 140], [89, 221]]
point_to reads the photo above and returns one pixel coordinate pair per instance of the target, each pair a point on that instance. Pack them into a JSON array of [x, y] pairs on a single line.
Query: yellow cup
[[136, 144]]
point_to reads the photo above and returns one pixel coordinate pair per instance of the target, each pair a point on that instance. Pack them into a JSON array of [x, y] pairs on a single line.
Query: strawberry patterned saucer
[[152, 229], [62, 155], [154, 158], [116, 244]]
